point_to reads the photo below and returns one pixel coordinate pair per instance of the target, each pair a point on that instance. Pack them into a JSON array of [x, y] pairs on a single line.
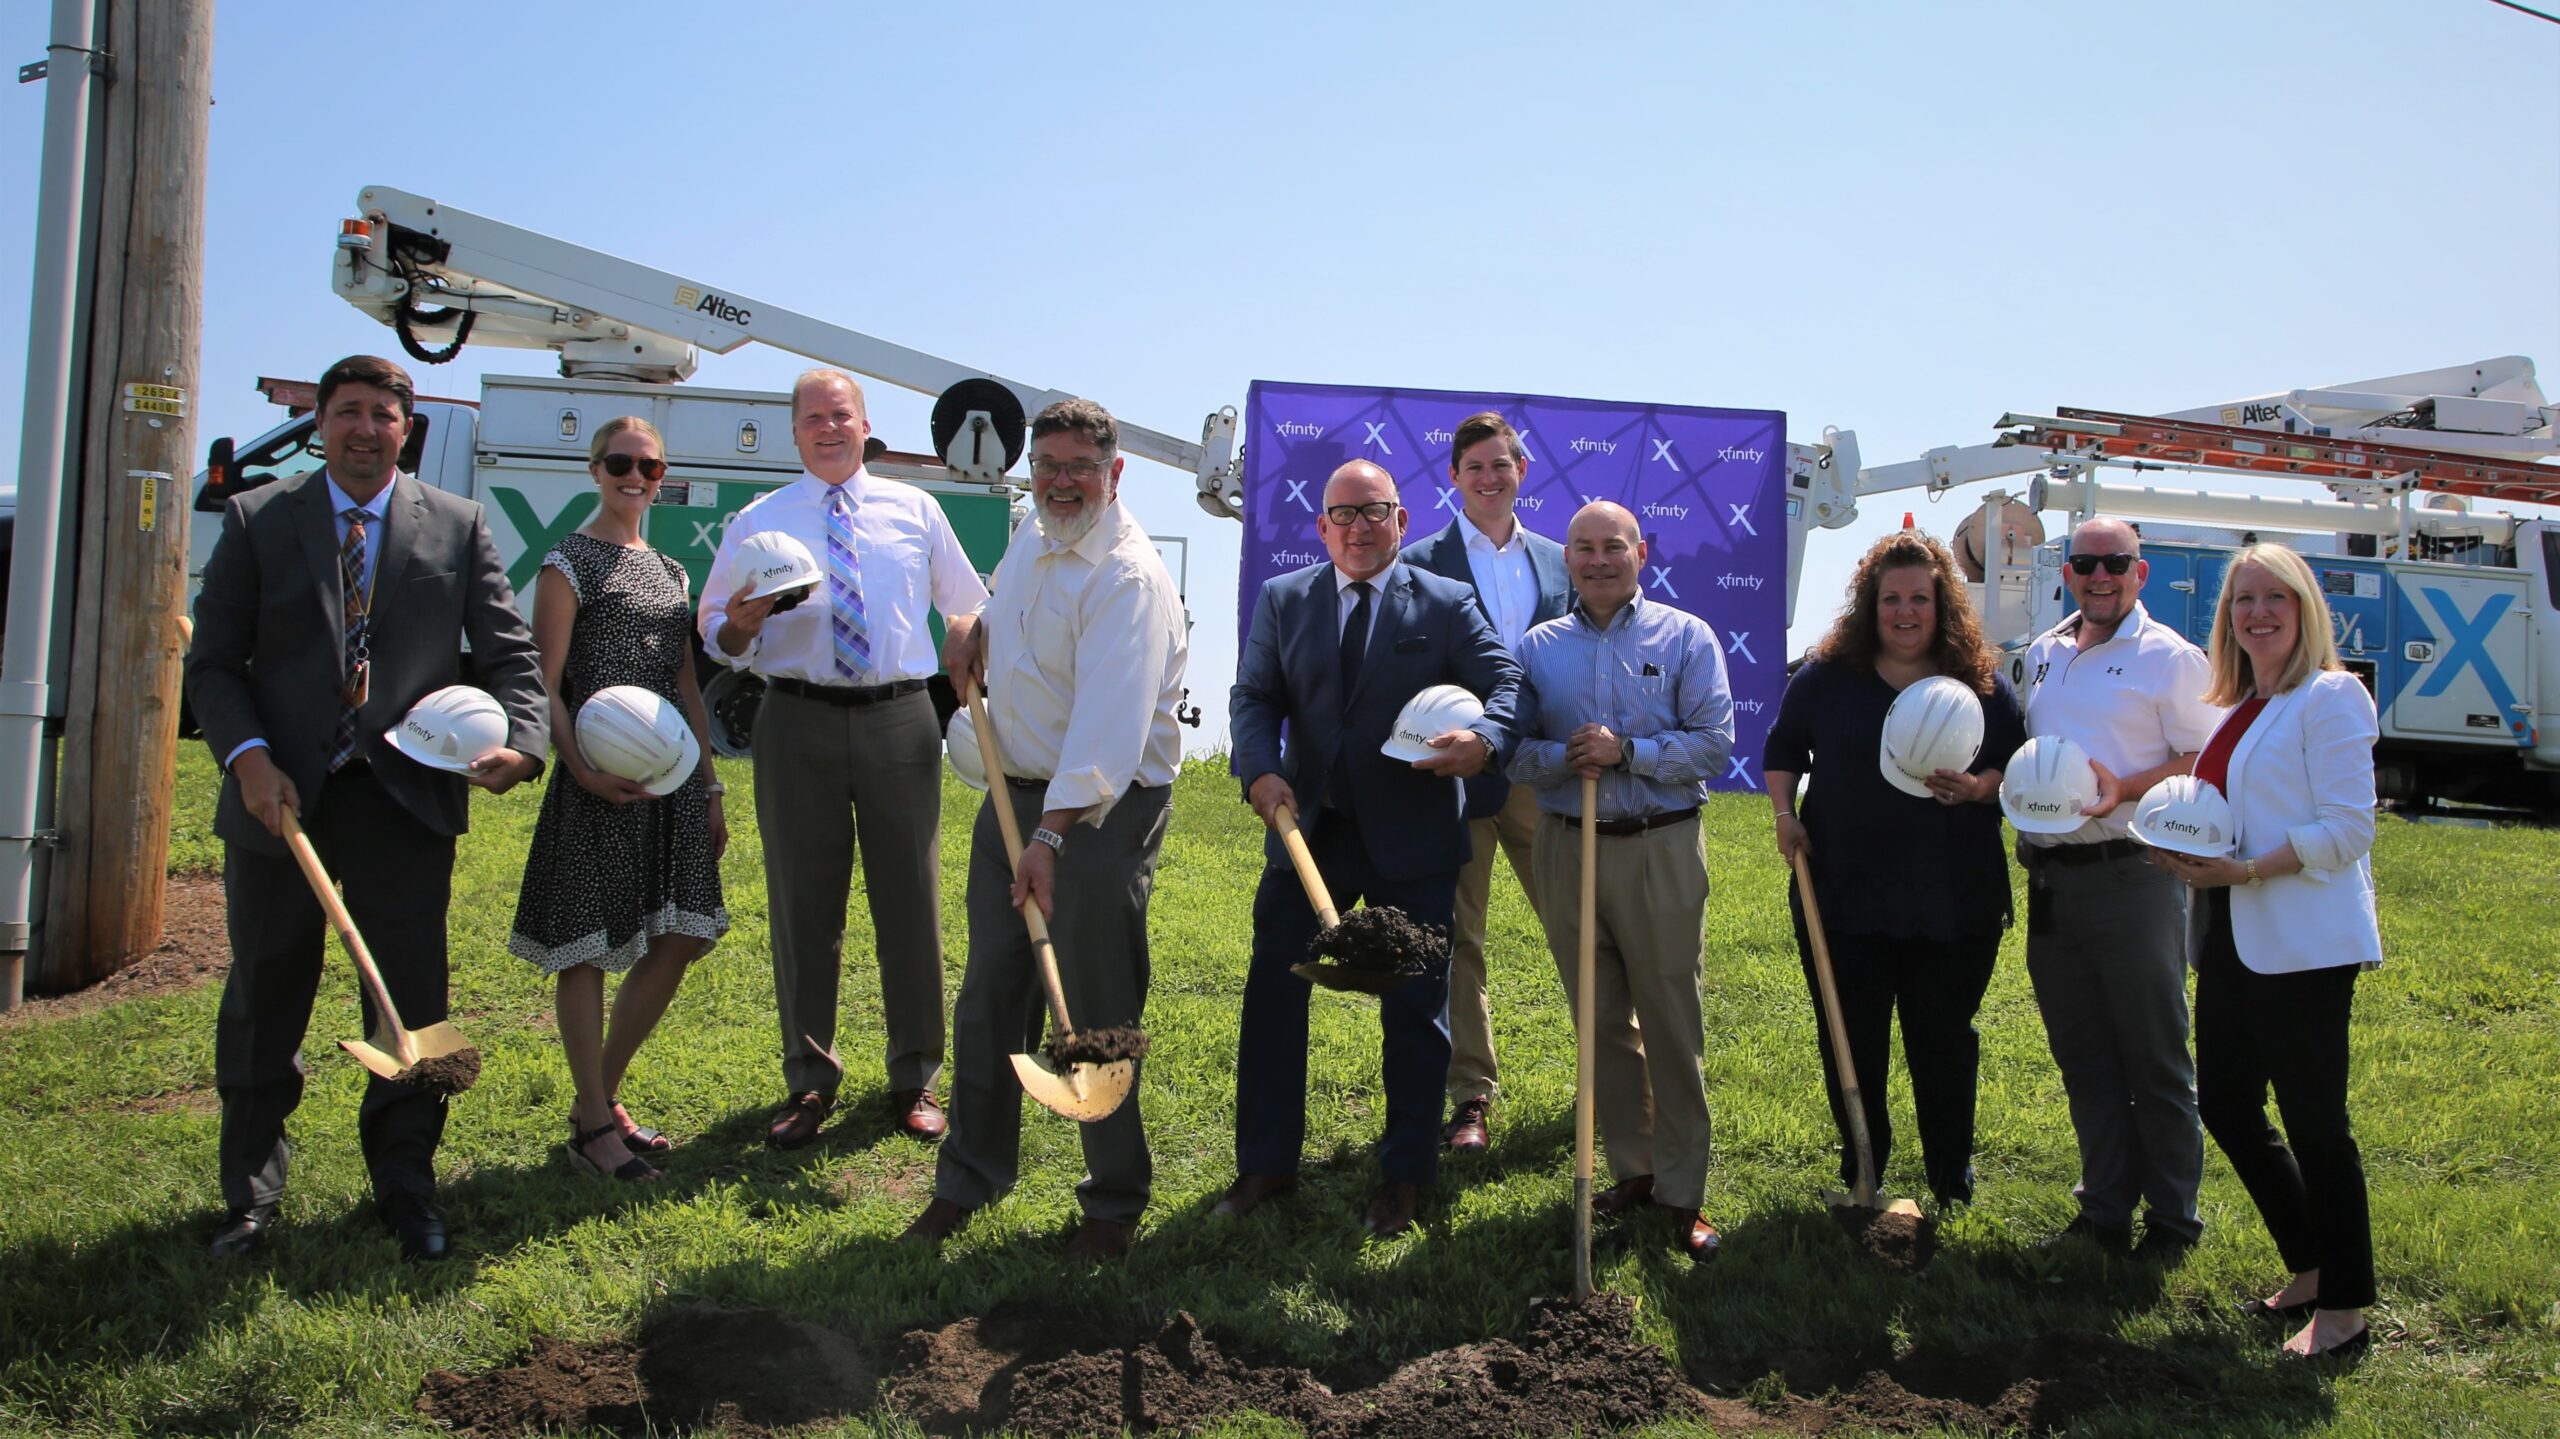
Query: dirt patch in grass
[[2039, 1386], [195, 949], [1049, 1373]]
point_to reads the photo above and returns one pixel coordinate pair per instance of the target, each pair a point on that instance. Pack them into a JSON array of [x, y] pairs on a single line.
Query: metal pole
[[29, 650]]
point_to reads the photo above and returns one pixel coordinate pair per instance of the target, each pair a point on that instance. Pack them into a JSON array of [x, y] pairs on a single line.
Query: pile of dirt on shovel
[[1579, 1369], [1383, 939]]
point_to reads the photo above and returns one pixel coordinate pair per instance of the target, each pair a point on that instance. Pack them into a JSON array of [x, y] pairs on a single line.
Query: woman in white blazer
[[2284, 926]]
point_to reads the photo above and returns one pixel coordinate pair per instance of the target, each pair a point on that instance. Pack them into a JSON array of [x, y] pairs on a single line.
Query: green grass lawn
[[113, 1321]]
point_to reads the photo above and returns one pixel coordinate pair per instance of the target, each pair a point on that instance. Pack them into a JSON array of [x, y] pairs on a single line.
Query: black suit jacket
[[1428, 631], [269, 658]]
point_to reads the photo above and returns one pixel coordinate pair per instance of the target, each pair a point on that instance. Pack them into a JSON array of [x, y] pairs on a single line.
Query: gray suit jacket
[[269, 657]]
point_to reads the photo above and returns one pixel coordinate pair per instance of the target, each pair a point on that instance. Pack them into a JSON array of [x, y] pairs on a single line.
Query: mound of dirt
[[2038, 1387], [446, 1074], [1383, 939], [195, 948], [1104, 1045], [1053, 1374], [1901, 1243]]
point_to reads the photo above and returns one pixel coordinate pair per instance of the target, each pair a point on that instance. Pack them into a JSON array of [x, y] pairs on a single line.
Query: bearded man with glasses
[[2107, 930]]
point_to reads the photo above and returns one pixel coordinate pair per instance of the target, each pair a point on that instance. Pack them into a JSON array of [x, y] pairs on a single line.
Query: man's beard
[[1067, 532]]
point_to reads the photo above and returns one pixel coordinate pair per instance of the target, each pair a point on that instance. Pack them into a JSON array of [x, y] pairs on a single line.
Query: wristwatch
[[2251, 867], [1050, 837]]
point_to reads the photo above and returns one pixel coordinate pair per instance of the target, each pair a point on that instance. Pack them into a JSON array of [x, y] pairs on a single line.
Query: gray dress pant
[[827, 777], [1105, 876], [2107, 951]]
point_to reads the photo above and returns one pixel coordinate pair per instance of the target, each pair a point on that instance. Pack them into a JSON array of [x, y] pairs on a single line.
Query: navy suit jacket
[[1428, 631], [1446, 554]]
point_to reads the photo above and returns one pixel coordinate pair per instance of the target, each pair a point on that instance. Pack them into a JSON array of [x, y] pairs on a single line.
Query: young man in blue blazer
[[1334, 652], [1519, 581]]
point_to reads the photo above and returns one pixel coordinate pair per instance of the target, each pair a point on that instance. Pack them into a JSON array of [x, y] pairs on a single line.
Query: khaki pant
[[1650, 1028], [826, 778], [1472, 1072]]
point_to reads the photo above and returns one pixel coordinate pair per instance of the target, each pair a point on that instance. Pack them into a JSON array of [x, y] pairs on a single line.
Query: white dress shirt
[[1085, 656], [1504, 580], [2130, 703], [910, 562]]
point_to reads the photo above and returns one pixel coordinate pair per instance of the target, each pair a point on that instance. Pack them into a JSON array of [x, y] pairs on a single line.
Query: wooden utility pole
[[120, 733]]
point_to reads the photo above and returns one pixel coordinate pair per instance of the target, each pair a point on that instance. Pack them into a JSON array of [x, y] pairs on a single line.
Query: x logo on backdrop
[[1694, 476]]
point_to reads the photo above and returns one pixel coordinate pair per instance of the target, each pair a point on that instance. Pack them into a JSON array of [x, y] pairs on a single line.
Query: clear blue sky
[[1903, 220]]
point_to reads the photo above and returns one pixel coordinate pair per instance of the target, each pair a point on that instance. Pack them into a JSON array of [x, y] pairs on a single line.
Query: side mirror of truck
[[221, 476]]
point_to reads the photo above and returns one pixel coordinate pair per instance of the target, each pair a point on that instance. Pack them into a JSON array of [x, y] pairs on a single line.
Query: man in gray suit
[[330, 606], [1519, 581]]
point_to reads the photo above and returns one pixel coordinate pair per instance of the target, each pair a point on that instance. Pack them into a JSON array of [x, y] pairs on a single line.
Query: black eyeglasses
[[1083, 472], [1375, 512], [2086, 565], [620, 467]]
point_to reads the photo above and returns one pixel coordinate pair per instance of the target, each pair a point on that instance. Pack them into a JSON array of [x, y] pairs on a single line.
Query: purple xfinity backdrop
[[1705, 483]]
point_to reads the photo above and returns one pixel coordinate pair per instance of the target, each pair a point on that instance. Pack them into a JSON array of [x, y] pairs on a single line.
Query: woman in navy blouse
[[1914, 891]]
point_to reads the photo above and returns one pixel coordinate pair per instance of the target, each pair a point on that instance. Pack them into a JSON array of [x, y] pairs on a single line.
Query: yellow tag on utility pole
[[140, 398], [147, 514]]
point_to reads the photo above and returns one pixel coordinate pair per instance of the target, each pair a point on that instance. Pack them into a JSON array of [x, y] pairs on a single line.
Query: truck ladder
[[2105, 434]]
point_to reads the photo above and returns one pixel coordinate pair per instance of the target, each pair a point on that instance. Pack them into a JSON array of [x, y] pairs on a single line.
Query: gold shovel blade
[[1876, 1202], [380, 1061], [380, 1050], [1081, 1092]]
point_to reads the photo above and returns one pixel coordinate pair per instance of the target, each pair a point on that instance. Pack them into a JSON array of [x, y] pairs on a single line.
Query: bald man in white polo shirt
[[2106, 930]]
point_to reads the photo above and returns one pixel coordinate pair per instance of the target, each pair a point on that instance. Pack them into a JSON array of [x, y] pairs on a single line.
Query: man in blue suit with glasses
[[1334, 652]]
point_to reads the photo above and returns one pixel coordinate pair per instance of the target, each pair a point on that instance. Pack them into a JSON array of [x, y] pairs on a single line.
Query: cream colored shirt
[[910, 562], [1086, 647]]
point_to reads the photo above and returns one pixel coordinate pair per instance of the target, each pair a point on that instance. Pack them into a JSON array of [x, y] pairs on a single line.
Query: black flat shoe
[[635, 1170], [2345, 1351], [2261, 1309]]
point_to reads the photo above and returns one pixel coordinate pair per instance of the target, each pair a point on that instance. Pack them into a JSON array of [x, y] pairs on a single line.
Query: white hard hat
[[640, 735], [2185, 814], [451, 729], [2048, 782], [773, 562], [1934, 724], [962, 742], [1426, 717]]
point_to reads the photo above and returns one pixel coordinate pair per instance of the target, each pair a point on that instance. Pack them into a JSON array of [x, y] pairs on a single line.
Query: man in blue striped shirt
[[1634, 693]]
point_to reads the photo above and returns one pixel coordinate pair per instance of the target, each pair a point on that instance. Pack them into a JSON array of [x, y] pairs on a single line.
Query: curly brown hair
[[1959, 651]]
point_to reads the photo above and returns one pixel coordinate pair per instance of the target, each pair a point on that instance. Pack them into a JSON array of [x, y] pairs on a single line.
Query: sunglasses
[[2087, 565], [620, 467]]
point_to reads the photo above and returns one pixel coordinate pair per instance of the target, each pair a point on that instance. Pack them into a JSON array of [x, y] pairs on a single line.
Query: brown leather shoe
[[936, 1224], [1697, 1236], [1391, 1213], [1249, 1190], [918, 1114], [1622, 1196], [1098, 1241], [1470, 1128], [797, 1121]]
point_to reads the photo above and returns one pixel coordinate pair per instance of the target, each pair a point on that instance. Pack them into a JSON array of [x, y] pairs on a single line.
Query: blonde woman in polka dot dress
[[617, 882]]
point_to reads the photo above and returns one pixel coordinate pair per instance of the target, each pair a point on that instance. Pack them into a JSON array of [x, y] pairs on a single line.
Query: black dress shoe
[[243, 1233], [2261, 1309], [420, 1226]]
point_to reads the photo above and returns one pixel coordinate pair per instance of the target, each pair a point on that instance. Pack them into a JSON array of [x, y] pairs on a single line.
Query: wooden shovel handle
[[327, 893], [1296, 844], [1851, 1100], [1585, 1046], [999, 795]]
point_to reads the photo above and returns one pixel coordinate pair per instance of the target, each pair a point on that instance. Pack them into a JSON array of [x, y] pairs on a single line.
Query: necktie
[[356, 606], [847, 622], [1355, 638]]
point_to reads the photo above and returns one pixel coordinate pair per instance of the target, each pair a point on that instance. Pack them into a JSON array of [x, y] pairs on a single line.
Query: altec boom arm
[[442, 275]]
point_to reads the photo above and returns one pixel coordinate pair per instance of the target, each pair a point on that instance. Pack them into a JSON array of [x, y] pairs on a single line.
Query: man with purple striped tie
[[846, 749]]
